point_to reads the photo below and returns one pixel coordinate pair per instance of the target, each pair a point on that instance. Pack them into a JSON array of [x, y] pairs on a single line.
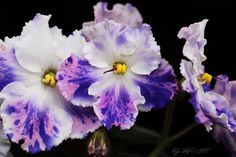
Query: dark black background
[[165, 19]]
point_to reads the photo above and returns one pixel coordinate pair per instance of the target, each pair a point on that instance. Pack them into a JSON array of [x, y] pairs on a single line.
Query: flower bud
[[98, 144]]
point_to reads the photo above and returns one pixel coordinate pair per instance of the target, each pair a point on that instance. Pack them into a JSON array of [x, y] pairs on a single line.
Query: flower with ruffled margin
[[122, 69], [125, 14], [197, 82], [33, 109], [228, 90]]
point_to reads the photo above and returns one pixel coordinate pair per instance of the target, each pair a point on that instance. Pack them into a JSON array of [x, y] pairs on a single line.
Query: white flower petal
[[33, 48]]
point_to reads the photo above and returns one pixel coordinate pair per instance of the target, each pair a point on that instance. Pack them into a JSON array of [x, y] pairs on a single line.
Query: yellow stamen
[[49, 79], [121, 68], [206, 78]]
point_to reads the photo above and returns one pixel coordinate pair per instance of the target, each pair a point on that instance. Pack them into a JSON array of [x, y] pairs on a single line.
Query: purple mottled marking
[[98, 45], [35, 148], [17, 122], [60, 77], [10, 109], [69, 59], [56, 129], [10, 135], [121, 39]]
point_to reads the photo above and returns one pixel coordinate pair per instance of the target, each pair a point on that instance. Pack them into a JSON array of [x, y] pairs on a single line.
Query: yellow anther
[[49, 79], [120, 68], [206, 78]]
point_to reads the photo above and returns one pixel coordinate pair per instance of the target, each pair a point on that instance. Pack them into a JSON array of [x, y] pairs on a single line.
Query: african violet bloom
[[206, 102], [125, 14], [121, 73], [33, 109]]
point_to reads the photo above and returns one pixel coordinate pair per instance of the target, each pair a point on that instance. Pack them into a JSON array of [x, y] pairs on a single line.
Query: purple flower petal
[[74, 78], [7, 60], [84, 121], [159, 87], [117, 106], [42, 124]]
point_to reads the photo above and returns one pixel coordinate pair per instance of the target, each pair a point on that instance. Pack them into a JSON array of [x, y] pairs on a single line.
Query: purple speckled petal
[[206, 105], [7, 61], [117, 102], [116, 110], [28, 116], [125, 14], [158, 88], [74, 78], [84, 121]]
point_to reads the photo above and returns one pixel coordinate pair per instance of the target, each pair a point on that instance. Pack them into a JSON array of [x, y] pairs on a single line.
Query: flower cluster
[[56, 87], [214, 103]]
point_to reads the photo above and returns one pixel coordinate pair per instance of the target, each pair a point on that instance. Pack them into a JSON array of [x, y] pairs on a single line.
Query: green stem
[[165, 142], [168, 120], [146, 131], [166, 129], [183, 132]]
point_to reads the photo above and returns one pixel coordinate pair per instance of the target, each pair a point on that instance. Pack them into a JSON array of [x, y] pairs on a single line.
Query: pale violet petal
[[111, 42], [125, 14], [190, 83], [195, 42]]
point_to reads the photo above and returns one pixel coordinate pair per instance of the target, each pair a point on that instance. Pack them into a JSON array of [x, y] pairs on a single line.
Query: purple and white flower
[[124, 14], [122, 70], [197, 82], [33, 109]]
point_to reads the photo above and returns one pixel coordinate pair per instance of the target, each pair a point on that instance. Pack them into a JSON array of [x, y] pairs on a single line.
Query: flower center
[[205, 78], [118, 68], [49, 78]]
